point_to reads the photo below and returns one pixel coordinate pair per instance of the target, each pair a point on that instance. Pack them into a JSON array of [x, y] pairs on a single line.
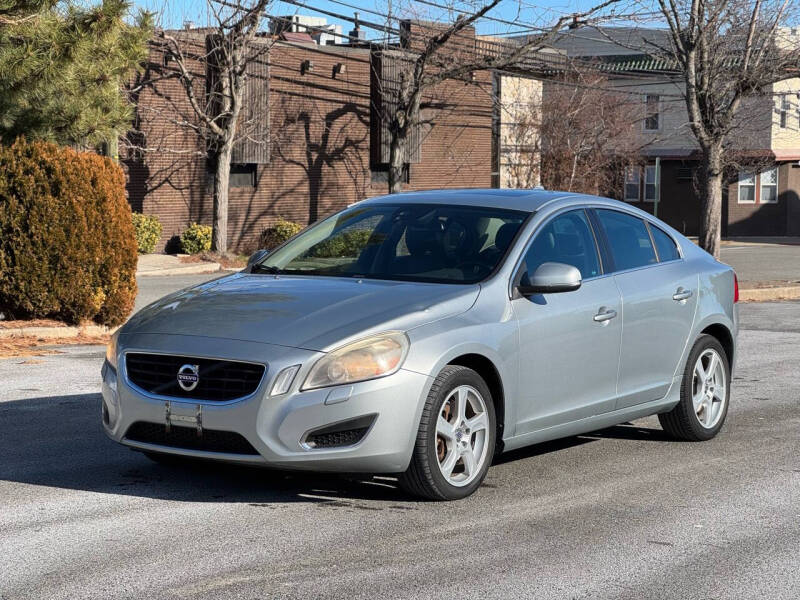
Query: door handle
[[605, 314], [682, 294]]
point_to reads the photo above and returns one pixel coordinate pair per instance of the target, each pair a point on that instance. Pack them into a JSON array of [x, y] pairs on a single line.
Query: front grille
[[211, 440], [347, 433], [218, 380]]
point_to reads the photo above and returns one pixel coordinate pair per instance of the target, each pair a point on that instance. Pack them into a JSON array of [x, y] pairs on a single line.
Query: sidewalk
[[171, 264]]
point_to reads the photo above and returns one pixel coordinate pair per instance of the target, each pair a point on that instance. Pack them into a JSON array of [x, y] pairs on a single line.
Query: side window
[[667, 250], [627, 235], [566, 239]]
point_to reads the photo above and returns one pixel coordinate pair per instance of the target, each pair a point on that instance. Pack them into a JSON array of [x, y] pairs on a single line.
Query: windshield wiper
[[265, 269]]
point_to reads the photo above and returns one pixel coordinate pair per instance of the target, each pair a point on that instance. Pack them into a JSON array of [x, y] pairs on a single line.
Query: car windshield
[[406, 242]]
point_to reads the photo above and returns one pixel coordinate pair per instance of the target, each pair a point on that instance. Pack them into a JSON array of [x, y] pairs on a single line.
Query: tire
[[449, 445], [695, 421]]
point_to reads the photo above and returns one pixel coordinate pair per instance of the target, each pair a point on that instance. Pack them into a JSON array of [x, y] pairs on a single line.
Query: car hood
[[315, 313]]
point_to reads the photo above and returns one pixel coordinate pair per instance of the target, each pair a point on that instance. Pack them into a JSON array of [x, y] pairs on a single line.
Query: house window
[[633, 183], [769, 186], [652, 117], [650, 183], [747, 187], [784, 113], [242, 176], [380, 173]]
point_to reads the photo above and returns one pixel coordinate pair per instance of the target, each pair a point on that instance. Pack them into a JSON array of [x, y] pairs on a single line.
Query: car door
[[568, 342], [658, 304]]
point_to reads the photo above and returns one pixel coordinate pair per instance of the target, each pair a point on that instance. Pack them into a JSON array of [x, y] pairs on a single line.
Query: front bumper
[[277, 427]]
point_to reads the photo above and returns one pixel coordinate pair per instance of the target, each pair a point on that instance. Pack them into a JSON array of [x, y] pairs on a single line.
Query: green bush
[[347, 244], [67, 243], [196, 238], [148, 231], [281, 231]]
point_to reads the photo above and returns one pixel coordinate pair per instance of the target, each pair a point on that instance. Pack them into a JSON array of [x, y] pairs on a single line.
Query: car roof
[[529, 200]]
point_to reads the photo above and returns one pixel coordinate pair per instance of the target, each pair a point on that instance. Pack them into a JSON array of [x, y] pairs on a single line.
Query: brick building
[[322, 129]]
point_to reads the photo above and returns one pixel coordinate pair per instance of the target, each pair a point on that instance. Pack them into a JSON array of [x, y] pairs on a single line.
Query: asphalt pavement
[[620, 513], [151, 288], [774, 262]]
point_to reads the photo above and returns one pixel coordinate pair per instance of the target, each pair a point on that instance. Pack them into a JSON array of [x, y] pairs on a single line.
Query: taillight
[[735, 288]]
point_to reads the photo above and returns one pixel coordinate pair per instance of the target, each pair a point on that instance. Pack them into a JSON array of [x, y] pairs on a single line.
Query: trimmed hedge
[[148, 231], [67, 243], [196, 238], [281, 231]]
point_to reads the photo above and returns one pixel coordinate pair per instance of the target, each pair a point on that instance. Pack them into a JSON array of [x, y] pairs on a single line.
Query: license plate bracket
[[173, 418]]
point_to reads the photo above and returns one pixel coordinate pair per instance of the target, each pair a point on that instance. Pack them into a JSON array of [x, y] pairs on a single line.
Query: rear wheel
[[705, 391], [456, 438]]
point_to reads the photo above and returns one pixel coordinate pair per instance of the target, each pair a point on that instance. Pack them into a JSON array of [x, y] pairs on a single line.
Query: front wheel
[[705, 391], [456, 438]]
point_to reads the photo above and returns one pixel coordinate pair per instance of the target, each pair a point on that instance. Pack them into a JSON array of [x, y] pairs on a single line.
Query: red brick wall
[[319, 133]]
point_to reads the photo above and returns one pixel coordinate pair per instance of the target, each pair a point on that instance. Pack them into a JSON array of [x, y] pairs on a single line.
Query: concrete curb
[[189, 269], [789, 292], [50, 333]]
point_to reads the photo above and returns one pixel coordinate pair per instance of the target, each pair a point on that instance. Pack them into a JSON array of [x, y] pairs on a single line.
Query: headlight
[[370, 358], [111, 349]]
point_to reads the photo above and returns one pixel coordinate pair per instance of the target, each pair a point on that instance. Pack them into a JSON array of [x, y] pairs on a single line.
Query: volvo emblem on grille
[[189, 377]]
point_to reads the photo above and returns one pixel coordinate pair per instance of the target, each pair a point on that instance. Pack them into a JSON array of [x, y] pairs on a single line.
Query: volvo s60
[[422, 334]]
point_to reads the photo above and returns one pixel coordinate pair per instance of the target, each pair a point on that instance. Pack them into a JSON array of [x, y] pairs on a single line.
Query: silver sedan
[[422, 334]]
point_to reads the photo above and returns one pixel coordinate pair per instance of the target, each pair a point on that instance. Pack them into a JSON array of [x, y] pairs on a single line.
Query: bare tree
[[588, 132], [726, 51], [441, 51], [230, 47], [574, 135]]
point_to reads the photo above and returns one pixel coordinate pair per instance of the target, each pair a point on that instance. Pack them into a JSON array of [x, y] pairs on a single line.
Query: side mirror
[[550, 278], [256, 256]]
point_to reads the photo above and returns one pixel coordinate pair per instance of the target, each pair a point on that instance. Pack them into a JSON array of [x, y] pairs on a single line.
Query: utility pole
[[658, 186]]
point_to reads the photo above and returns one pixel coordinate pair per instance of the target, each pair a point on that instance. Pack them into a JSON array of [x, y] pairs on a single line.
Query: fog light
[[284, 380]]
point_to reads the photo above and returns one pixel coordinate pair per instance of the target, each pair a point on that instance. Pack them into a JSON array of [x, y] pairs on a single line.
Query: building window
[[650, 183], [769, 186], [784, 113], [242, 176], [633, 183], [747, 187], [652, 117], [380, 173]]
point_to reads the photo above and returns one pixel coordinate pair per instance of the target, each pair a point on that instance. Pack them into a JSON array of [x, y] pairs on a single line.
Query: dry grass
[[227, 261], [31, 323], [32, 346]]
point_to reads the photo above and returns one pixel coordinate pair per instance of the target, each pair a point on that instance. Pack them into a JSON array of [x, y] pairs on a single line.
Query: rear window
[[667, 250], [630, 243]]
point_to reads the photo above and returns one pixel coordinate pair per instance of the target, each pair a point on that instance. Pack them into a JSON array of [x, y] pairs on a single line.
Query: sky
[[510, 16]]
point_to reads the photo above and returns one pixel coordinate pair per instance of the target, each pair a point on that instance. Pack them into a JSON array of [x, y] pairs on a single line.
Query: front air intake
[[186, 438], [340, 435]]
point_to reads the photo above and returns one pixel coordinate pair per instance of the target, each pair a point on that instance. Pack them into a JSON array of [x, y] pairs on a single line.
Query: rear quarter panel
[[715, 305]]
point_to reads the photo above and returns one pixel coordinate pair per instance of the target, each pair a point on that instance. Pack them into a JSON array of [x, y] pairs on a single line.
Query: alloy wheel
[[709, 387], [461, 435]]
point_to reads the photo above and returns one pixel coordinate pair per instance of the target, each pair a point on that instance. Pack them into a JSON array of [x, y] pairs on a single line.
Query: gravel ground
[[621, 513]]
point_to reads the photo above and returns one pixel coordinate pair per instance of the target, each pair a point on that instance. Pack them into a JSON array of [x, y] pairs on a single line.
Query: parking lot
[[621, 513]]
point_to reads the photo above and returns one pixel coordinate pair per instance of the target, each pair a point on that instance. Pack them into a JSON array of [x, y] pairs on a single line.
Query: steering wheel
[[472, 265], [455, 239]]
